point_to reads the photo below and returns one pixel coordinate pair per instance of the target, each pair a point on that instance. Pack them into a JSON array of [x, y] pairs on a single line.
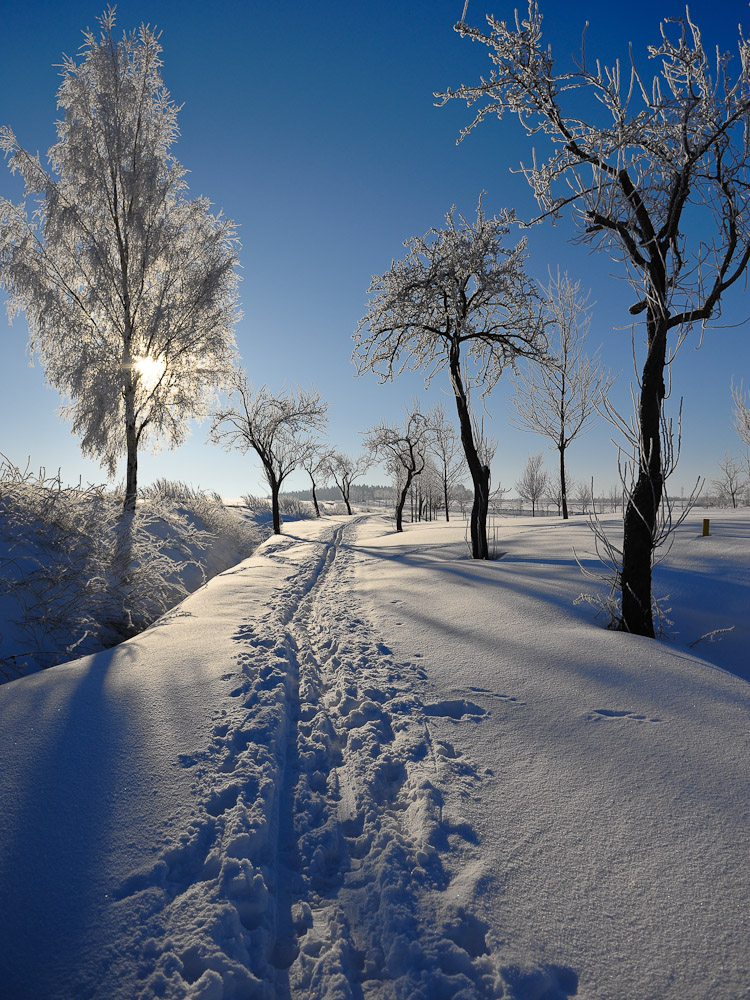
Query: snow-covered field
[[361, 765]]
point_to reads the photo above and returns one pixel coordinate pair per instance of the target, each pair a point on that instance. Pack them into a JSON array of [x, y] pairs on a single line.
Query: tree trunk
[[275, 508], [563, 487], [643, 504], [401, 502], [315, 498], [122, 571], [131, 446], [480, 474], [445, 496]]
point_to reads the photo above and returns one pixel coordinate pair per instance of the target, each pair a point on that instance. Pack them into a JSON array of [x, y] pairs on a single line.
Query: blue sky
[[313, 126]]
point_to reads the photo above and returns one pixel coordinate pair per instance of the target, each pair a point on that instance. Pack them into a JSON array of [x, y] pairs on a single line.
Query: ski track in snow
[[317, 863]]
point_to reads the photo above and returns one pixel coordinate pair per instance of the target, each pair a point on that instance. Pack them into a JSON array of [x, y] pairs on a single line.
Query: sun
[[150, 371]]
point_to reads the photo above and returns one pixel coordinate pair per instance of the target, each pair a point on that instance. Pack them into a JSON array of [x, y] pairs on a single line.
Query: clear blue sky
[[313, 126]]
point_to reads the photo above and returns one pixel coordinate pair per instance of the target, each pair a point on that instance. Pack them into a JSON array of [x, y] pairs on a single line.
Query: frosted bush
[[234, 538], [295, 509], [291, 507], [256, 505], [76, 576]]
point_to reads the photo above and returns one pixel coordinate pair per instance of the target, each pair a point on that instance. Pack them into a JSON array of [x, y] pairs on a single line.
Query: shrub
[[77, 576]]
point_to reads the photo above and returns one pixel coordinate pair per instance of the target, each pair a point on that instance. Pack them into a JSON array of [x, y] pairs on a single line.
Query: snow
[[360, 764]]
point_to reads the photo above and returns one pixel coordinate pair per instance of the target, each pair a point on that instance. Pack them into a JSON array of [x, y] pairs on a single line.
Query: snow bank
[[75, 578]]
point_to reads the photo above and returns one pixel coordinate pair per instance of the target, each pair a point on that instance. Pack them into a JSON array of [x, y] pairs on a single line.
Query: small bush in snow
[[295, 509], [256, 505], [291, 507]]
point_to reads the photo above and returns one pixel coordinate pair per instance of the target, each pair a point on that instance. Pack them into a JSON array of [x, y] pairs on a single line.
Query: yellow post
[[705, 527]]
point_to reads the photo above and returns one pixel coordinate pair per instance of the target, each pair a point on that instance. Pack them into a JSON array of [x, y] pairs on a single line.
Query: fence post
[[705, 527]]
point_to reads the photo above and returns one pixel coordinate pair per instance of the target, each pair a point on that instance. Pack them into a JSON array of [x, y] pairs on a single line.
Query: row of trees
[[130, 288], [656, 175], [281, 429]]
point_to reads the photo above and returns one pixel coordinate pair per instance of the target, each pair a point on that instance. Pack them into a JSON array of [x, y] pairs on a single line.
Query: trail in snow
[[316, 866]]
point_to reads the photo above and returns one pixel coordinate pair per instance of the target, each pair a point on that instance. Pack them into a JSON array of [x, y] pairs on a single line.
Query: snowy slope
[[607, 776], [361, 765]]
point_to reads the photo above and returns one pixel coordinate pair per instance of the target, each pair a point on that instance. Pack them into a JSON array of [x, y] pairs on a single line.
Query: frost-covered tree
[[429, 488], [559, 398], [272, 425], [741, 401], [615, 497], [534, 481], [129, 288], [656, 174], [404, 450], [315, 462], [445, 445], [345, 471], [731, 483], [460, 301], [553, 490], [583, 495]]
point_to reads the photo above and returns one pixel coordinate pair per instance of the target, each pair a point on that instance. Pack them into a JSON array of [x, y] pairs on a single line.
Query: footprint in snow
[[500, 697], [455, 709], [613, 713], [545, 982]]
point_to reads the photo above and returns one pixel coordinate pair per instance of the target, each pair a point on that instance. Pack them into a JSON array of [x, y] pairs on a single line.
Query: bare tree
[[553, 491], [315, 461], [584, 495], [741, 402], [344, 471], [559, 398], [431, 489], [533, 482], [129, 288], [458, 300], [730, 484], [445, 445], [615, 497], [404, 450], [271, 425], [662, 187]]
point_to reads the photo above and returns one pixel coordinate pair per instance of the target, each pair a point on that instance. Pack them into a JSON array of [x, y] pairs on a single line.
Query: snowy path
[[306, 857], [324, 822], [359, 765]]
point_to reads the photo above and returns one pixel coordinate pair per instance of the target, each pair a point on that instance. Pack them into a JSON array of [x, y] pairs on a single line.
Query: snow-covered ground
[[361, 765]]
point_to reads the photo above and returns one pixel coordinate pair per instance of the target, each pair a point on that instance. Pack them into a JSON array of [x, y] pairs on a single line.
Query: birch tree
[[404, 450], [460, 300], [559, 399], [271, 425], [129, 288], [656, 174]]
